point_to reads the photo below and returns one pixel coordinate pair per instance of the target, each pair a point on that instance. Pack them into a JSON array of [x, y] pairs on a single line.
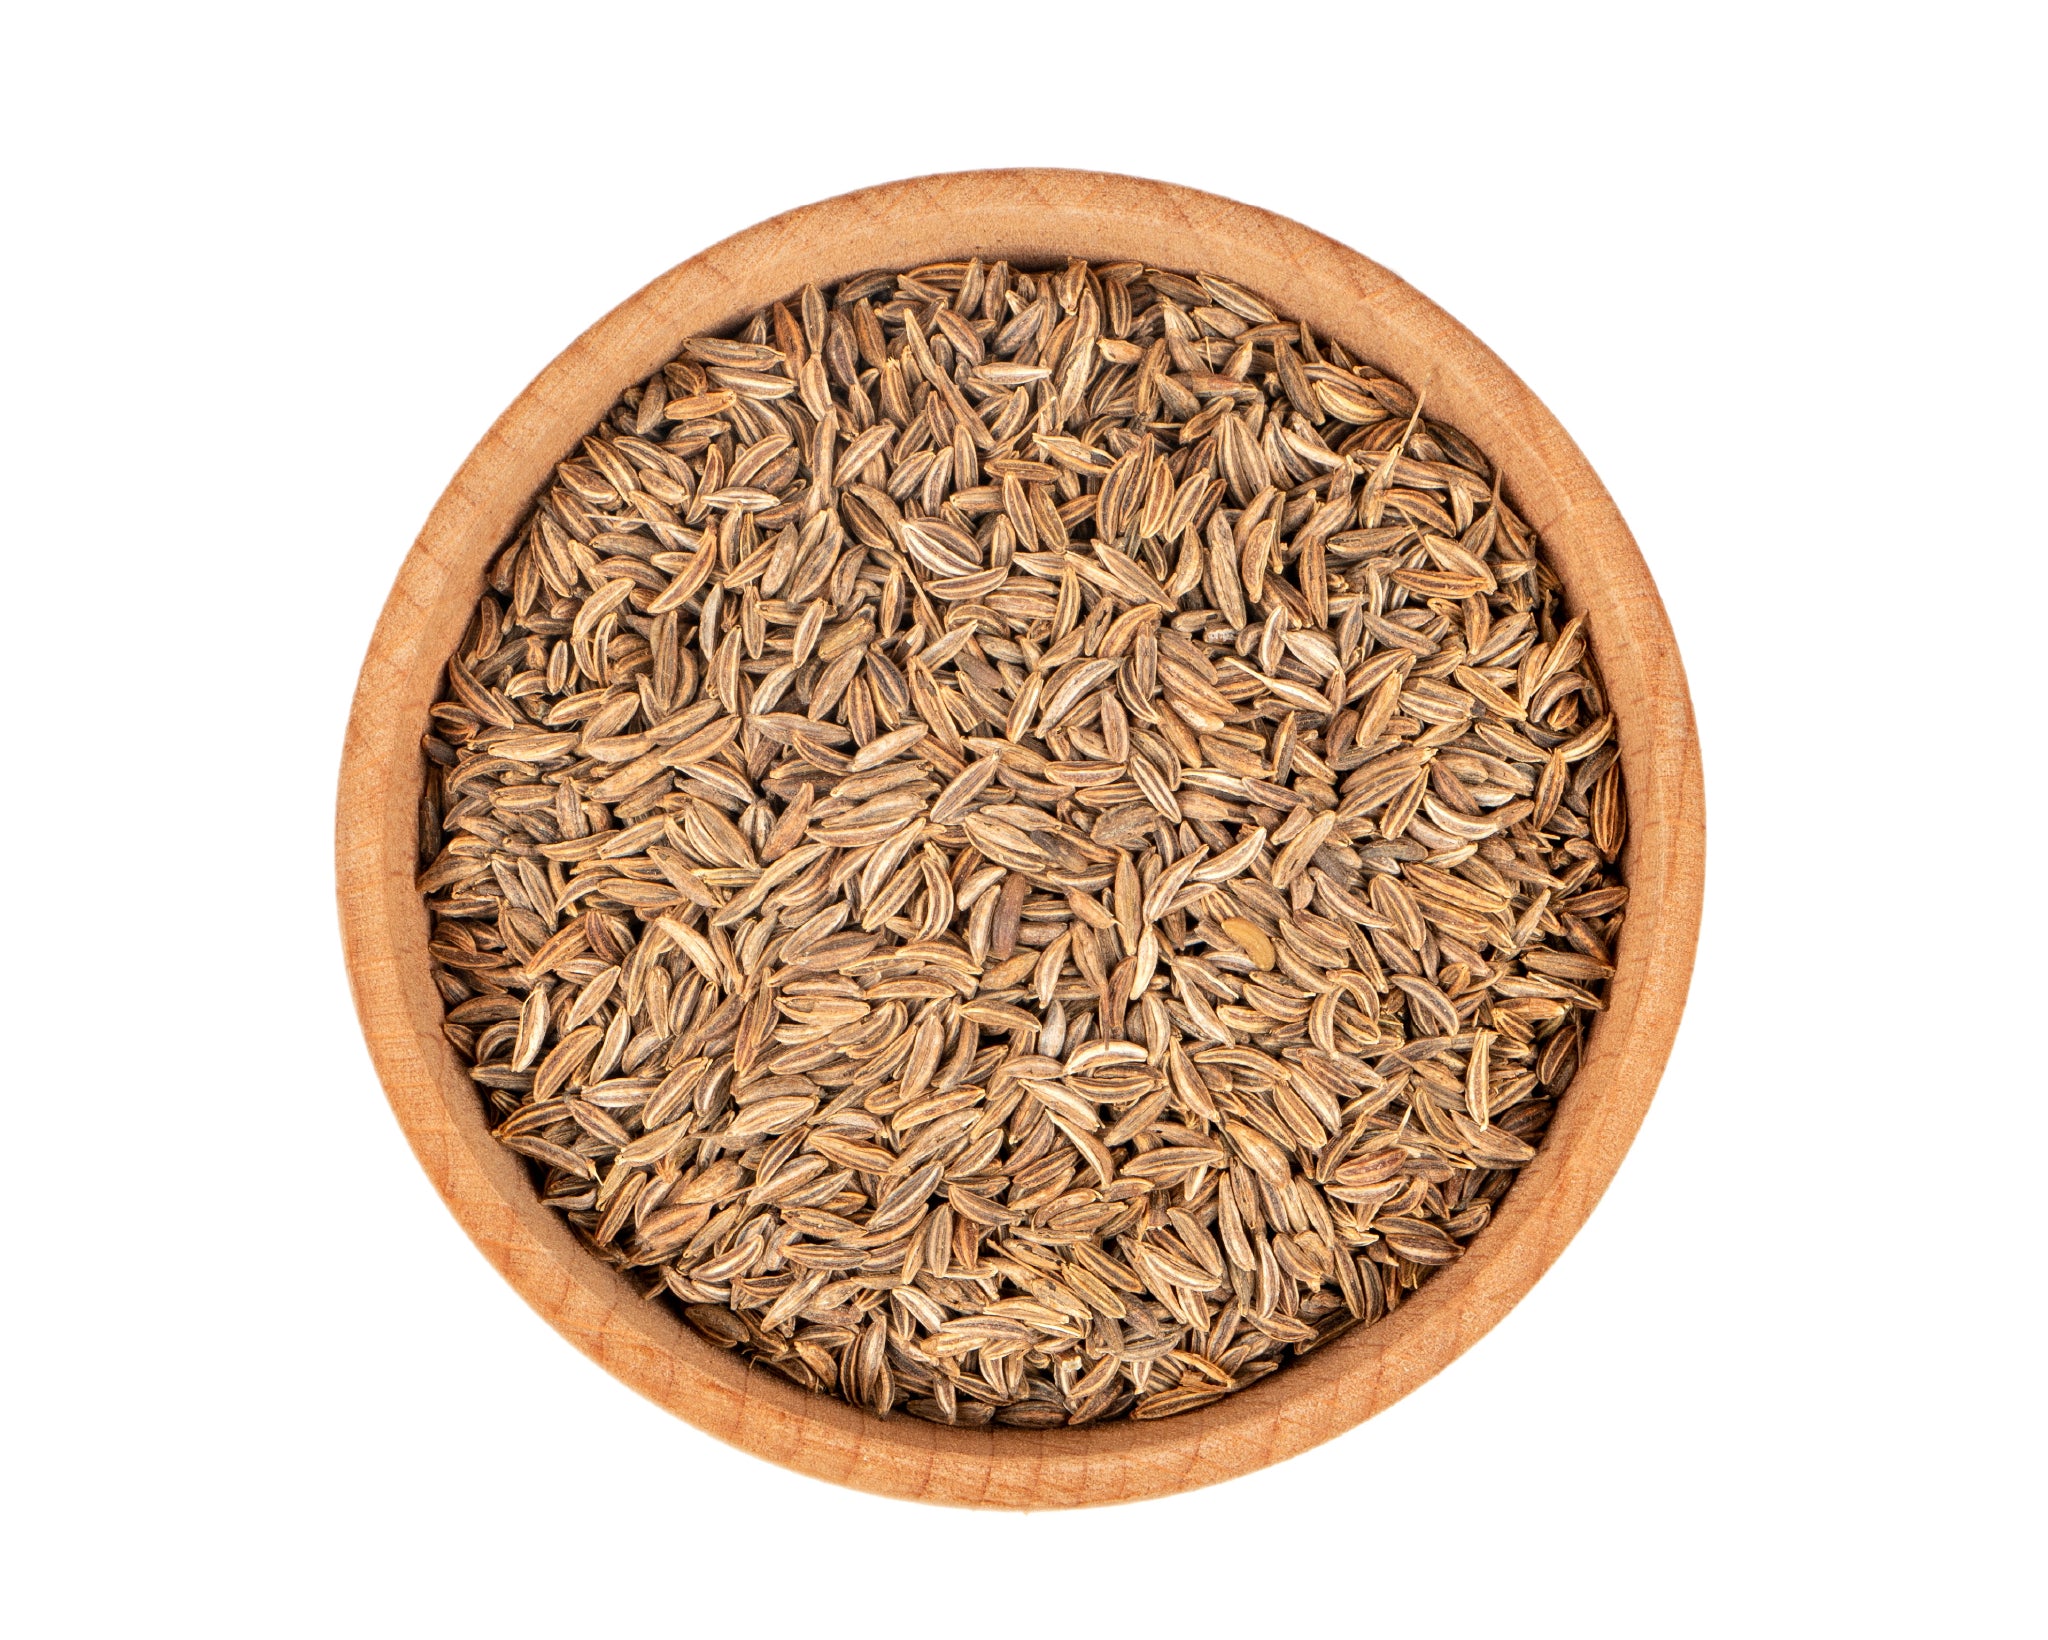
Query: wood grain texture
[[1027, 216]]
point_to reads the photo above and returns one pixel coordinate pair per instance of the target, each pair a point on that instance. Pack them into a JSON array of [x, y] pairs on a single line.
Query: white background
[[270, 273]]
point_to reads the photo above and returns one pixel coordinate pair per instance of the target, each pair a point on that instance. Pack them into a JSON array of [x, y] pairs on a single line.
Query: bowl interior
[[1031, 218]]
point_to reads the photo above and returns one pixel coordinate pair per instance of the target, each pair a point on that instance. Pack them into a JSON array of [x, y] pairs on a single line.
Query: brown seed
[[1022, 846]]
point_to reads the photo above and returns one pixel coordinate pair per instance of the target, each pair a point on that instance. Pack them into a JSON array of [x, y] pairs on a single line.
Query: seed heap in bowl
[[1022, 845]]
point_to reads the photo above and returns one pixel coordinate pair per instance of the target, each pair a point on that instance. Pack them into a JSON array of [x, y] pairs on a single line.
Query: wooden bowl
[[1029, 217]]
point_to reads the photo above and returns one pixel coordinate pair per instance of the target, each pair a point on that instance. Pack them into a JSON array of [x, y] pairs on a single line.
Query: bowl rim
[[1027, 215]]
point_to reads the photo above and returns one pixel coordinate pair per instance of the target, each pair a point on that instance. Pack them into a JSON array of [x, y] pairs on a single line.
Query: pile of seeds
[[1021, 845]]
